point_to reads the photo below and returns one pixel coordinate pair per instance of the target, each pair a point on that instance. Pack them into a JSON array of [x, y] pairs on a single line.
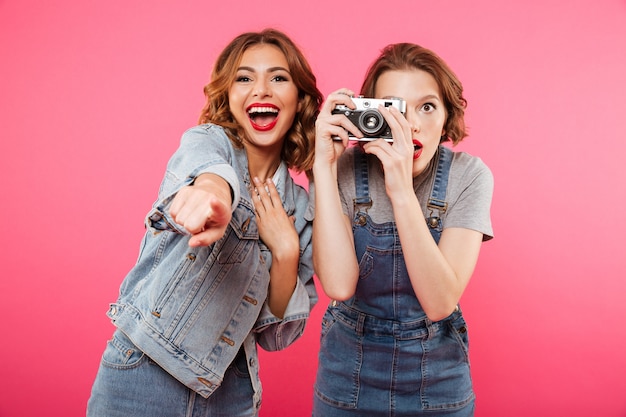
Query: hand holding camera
[[368, 119]]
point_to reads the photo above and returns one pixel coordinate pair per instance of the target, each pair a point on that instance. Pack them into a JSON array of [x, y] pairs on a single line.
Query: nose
[[414, 122], [261, 88]]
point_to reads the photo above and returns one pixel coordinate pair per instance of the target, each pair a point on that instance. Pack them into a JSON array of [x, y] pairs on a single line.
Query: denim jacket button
[[244, 226]]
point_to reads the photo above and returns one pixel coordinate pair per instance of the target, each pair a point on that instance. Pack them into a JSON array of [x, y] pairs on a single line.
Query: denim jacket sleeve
[[203, 149], [276, 334]]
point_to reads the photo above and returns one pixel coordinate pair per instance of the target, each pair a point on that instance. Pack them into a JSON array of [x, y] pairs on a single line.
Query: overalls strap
[[361, 180], [436, 205]]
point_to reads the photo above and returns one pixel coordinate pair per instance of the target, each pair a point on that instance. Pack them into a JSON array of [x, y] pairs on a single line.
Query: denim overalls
[[380, 355]]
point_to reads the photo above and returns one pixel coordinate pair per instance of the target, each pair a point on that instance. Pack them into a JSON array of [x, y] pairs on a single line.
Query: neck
[[263, 168], [263, 161]]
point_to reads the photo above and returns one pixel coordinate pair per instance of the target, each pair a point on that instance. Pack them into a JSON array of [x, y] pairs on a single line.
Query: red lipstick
[[263, 116], [417, 149]]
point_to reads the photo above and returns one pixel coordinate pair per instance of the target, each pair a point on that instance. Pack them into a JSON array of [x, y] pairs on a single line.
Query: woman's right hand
[[204, 209], [331, 130]]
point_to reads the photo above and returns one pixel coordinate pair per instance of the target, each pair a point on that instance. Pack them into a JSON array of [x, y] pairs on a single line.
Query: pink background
[[95, 95]]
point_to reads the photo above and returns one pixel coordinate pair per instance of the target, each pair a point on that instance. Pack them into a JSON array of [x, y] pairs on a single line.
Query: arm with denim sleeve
[[274, 333], [203, 149]]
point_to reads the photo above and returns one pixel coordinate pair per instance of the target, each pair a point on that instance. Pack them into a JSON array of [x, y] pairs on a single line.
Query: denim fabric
[[191, 310], [131, 384], [376, 367], [380, 355]]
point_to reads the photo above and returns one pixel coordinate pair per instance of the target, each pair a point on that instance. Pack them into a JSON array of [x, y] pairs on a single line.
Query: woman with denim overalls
[[399, 223]]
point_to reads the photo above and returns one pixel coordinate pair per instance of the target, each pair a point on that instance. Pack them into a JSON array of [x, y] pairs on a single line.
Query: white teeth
[[262, 110]]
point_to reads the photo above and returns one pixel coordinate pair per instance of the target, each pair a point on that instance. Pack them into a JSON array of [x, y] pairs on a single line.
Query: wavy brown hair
[[409, 56], [299, 145]]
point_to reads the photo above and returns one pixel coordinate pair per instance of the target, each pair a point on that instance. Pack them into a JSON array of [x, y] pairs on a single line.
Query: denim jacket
[[192, 309]]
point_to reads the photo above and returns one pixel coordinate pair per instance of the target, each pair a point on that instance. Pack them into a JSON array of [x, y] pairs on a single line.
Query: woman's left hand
[[276, 229], [397, 157]]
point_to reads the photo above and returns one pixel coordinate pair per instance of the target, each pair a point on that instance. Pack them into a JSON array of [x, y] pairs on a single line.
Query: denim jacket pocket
[[234, 245]]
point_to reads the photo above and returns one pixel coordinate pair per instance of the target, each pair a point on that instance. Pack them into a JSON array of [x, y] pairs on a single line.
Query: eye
[[280, 78], [429, 108], [242, 79]]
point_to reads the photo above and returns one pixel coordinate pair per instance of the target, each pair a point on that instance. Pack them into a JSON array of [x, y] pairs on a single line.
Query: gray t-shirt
[[470, 189]]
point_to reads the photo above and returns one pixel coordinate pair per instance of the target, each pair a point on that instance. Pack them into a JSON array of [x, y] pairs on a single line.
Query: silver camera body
[[368, 119]]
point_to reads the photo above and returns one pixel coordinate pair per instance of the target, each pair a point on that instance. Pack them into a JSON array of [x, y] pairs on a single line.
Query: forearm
[[217, 184], [334, 256], [273, 333], [283, 276], [434, 280]]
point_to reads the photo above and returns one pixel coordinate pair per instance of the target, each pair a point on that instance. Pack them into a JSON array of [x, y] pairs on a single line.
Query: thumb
[[206, 237]]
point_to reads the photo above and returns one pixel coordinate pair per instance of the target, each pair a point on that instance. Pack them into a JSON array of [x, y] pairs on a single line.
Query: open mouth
[[417, 148], [263, 117]]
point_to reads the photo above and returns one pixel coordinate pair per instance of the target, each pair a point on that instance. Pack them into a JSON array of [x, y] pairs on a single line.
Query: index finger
[[273, 193], [398, 124], [342, 96]]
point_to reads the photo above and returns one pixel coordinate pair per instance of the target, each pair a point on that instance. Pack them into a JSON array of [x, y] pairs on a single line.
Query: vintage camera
[[368, 119]]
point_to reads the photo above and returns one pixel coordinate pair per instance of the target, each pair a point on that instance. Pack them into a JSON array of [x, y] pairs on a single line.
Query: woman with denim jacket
[[226, 259], [398, 228]]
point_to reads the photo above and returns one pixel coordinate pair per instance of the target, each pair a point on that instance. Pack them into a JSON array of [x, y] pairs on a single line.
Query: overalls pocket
[[335, 383], [447, 378]]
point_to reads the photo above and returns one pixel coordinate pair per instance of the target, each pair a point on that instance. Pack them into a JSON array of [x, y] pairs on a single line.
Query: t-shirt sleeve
[[471, 188], [345, 179]]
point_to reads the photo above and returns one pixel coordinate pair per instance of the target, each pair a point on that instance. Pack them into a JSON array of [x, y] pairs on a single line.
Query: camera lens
[[371, 122]]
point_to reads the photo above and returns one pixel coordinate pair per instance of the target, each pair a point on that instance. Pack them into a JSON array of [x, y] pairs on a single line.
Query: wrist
[[321, 169], [216, 184]]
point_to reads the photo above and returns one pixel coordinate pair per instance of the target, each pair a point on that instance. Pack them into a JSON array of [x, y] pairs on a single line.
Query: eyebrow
[[426, 97], [431, 96], [271, 69]]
